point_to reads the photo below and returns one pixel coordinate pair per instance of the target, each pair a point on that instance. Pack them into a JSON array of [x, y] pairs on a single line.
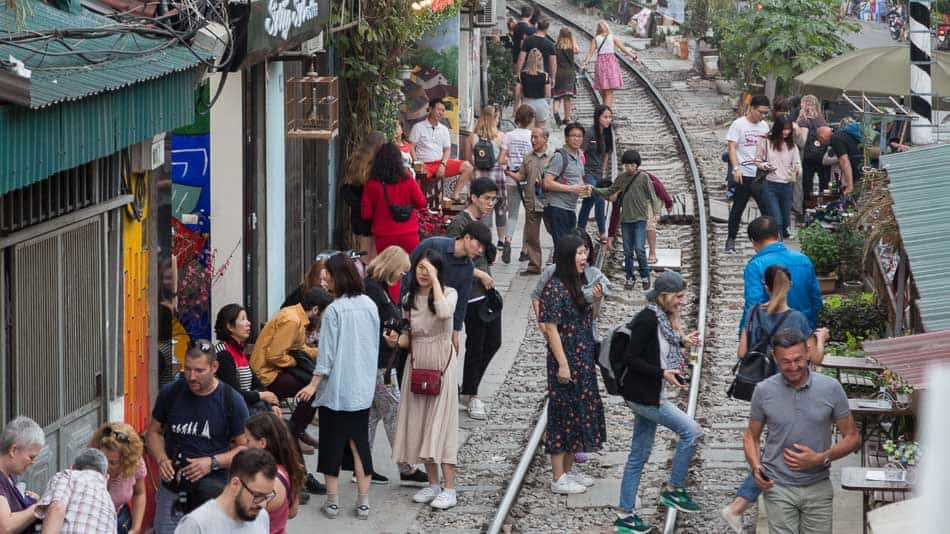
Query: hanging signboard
[[276, 25]]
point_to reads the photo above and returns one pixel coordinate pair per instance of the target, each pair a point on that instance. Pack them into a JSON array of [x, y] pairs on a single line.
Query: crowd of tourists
[[377, 339]]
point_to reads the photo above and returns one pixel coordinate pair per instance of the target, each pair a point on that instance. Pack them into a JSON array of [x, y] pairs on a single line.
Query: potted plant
[[820, 245], [850, 243], [902, 393]]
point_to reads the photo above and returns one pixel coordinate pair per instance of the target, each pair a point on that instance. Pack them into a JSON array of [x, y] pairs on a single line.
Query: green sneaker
[[631, 523], [679, 499]]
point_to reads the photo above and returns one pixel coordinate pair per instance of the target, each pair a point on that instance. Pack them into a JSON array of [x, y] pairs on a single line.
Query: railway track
[[503, 474]]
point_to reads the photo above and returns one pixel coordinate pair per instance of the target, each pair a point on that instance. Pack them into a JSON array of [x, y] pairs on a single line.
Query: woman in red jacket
[[390, 200]]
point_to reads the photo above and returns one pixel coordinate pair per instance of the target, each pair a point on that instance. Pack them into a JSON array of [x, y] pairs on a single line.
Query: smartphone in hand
[[680, 379], [762, 474]]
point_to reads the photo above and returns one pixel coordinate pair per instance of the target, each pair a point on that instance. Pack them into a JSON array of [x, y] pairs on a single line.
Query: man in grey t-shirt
[[240, 507], [798, 407], [563, 182]]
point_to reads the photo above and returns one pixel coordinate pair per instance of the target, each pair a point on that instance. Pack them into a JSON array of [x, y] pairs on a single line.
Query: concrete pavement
[[870, 35]]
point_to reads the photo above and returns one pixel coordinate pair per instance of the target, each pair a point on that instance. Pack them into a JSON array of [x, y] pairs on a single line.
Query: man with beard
[[238, 509], [197, 428]]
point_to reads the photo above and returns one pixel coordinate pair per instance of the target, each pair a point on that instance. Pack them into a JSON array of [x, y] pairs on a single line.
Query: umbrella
[[880, 71]]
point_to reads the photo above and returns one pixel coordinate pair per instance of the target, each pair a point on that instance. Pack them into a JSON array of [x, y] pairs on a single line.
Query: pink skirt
[[607, 74]]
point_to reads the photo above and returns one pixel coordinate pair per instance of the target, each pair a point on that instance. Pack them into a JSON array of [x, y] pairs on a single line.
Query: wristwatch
[[826, 461], [215, 466]]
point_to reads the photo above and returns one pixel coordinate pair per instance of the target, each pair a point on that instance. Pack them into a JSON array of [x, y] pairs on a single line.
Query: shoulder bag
[[399, 213], [425, 381], [757, 187]]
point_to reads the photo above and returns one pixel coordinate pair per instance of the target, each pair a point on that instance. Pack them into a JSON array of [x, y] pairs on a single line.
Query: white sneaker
[[476, 409], [566, 486], [426, 495], [581, 478], [444, 500], [733, 520]]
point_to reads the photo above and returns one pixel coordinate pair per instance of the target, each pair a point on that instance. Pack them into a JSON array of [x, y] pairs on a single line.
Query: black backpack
[[757, 364], [484, 154], [813, 151], [612, 357]]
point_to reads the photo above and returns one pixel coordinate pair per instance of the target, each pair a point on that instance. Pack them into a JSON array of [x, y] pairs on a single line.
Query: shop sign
[[276, 25]]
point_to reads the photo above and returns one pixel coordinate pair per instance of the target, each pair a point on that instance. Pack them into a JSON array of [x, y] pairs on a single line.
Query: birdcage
[[312, 106]]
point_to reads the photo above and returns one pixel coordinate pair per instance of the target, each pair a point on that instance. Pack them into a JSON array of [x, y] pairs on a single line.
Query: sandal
[[652, 260]]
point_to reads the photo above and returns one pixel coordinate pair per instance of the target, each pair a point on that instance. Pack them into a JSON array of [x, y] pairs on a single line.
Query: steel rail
[[514, 486]]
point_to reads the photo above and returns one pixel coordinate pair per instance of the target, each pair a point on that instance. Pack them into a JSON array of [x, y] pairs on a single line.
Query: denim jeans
[[600, 209], [561, 220], [749, 490], [641, 444], [778, 202], [635, 241]]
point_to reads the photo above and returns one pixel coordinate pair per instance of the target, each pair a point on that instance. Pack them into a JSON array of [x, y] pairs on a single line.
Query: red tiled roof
[[911, 356]]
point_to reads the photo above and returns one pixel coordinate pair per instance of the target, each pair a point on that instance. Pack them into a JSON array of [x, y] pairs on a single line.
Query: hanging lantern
[[312, 106]]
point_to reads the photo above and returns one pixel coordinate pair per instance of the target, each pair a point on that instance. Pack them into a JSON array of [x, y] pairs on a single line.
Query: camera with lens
[[398, 325], [190, 495]]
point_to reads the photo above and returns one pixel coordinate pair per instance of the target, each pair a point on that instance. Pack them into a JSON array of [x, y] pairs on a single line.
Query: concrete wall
[[227, 191]]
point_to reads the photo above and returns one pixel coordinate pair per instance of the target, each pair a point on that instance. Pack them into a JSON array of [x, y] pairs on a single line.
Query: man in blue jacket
[[804, 295]]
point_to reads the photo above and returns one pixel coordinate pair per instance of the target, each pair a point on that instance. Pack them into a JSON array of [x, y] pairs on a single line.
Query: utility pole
[[921, 78]]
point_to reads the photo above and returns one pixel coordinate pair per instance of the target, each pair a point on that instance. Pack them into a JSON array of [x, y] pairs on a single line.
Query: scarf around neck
[[674, 359]]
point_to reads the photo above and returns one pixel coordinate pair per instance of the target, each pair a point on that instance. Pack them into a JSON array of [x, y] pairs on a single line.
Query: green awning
[[59, 78], [79, 112]]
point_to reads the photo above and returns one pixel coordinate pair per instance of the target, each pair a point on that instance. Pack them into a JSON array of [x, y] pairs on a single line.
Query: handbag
[[399, 212], [757, 364], [303, 370], [425, 381]]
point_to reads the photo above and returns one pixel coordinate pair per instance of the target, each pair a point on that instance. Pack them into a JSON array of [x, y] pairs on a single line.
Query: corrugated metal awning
[[920, 188], [911, 356], [59, 75]]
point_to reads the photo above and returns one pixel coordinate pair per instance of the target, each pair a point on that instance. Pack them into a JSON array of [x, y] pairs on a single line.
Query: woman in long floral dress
[[575, 411]]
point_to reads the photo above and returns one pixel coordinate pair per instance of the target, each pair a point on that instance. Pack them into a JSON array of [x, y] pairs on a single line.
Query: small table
[[839, 363], [856, 479]]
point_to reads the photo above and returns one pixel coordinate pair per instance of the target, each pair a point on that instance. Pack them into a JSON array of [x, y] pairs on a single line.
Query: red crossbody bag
[[424, 381]]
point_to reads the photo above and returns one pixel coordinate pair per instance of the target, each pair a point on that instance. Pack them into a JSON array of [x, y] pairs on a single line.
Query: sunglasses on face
[[121, 437]]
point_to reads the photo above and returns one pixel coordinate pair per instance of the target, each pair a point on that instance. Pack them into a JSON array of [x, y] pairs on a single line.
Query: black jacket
[[227, 373], [387, 310], [645, 376]]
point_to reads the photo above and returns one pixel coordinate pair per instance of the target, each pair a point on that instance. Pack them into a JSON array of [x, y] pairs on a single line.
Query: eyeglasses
[[121, 437], [201, 344], [258, 498]]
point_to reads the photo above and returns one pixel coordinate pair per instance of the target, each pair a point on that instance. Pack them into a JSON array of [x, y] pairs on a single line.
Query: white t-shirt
[[429, 140], [209, 518], [518, 144], [746, 137]]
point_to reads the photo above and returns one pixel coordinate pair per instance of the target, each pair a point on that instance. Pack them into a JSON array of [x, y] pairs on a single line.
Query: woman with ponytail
[[761, 321]]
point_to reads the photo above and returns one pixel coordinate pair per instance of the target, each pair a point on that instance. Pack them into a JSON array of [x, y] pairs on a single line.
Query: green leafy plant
[[820, 245], [501, 84], [850, 241], [852, 319], [782, 39], [373, 48]]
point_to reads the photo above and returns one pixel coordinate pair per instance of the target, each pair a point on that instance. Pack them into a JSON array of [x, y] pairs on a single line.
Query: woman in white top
[[607, 76], [778, 154]]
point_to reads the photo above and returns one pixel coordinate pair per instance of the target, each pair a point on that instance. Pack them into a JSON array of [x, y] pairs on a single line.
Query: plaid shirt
[[89, 509]]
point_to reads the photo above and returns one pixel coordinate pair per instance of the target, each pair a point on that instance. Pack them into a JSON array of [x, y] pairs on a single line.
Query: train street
[[473, 266]]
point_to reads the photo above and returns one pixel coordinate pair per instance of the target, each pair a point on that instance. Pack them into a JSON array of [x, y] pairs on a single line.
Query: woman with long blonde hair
[[810, 118], [357, 174], [535, 86], [486, 127], [564, 81], [657, 360], [607, 78], [123, 448]]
